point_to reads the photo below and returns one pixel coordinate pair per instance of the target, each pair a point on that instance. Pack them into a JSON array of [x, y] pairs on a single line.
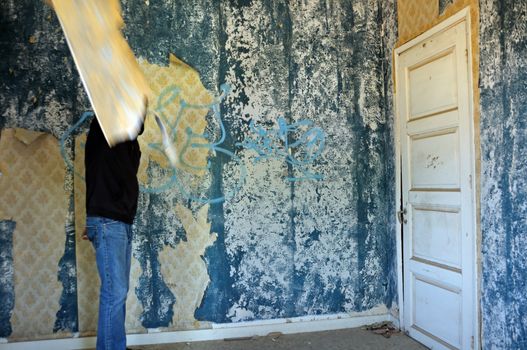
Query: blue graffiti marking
[[279, 143], [299, 144], [193, 141]]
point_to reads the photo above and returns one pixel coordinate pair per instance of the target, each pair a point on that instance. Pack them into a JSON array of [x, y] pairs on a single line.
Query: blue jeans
[[112, 241]]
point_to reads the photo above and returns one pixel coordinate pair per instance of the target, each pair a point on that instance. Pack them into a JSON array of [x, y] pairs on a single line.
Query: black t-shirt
[[111, 177]]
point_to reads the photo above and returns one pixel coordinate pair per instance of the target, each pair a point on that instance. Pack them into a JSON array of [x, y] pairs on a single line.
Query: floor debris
[[386, 329]]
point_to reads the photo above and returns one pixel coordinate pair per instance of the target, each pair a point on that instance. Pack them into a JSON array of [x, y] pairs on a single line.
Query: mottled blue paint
[[313, 236], [232, 290], [443, 4], [41, 89], [364, 38], [187, 28], [293, 293], [371, 152], [350, 41], [503, 101], [150, 235], [388, 242], [67, 137], [219, 295], [7, 284], [290, 142], [67, 318]]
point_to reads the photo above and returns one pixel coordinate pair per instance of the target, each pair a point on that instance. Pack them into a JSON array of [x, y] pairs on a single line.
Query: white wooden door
[[436, 148]]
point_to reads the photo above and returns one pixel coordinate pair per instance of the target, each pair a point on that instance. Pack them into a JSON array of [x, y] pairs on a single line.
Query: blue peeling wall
[[151, 235], [310, 229], [296, 239], [7, 284], [41, 91], [285, 248], [38, 78], [67, 316], [443, 4], [503, 84]]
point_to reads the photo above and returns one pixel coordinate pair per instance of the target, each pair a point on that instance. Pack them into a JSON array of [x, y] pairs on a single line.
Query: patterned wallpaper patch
[[415, 16], [180, 100], [32, 187], [177, 97], [184, 269]]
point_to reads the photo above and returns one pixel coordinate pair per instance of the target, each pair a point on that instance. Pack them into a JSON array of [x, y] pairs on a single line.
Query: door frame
[[461, 16]]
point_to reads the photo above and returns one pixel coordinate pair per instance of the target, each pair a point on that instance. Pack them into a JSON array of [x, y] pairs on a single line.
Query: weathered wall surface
[[7, 283], [280, 205], [41, 91], [40, 87], [503, 83], [32, 174]]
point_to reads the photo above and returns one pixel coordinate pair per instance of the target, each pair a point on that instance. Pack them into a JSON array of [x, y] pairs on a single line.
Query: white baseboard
[[222, 331]]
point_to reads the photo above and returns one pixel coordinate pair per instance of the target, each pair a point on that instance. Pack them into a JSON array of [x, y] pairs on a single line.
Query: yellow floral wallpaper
[[32, 195], [185, 272]]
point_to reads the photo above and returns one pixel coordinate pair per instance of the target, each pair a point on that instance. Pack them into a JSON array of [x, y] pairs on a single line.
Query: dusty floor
[[349, 339]]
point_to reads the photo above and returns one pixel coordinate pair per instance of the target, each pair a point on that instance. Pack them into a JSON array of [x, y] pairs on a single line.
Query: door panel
[[441, 243], [433, 85], [436, 174], [434, 160], [443, 320]]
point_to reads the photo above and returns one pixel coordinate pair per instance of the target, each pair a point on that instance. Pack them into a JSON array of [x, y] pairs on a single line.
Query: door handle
[[401, 216]]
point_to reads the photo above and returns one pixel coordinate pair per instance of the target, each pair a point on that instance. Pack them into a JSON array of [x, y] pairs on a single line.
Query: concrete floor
[[348, 339]]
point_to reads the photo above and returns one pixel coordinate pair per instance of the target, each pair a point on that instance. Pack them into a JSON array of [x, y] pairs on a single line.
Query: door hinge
[[401, 216]]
